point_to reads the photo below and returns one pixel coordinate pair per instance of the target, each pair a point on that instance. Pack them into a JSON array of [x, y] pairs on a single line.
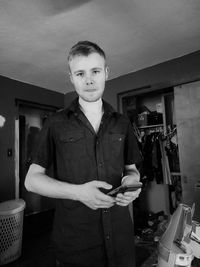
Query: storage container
[[11, 229]]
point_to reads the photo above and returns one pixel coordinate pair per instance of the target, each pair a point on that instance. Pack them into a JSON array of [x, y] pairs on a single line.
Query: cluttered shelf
[[150, 126]]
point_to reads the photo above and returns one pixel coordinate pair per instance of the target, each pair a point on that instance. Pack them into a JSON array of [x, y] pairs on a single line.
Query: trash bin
[[11, 229]]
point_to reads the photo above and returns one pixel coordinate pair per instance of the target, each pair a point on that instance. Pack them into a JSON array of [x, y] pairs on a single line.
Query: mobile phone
[[124, 188]]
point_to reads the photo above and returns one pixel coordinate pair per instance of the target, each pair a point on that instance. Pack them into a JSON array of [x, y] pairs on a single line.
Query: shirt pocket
[[116, 144], [73, 144]]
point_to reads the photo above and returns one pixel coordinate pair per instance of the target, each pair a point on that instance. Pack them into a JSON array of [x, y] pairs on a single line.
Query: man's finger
[[102, 184], [105, 199]]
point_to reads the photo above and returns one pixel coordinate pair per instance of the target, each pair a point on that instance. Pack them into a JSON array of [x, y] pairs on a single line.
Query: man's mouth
[[90, 90]]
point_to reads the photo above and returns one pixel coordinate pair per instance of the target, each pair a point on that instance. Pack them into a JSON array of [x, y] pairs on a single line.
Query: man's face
[[88, 75]]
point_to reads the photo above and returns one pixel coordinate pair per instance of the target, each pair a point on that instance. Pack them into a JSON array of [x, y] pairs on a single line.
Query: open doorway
[[31, 118]]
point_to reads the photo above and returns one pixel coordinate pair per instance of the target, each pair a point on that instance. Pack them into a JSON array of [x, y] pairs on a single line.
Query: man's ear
[[107, 72], [71, 78]]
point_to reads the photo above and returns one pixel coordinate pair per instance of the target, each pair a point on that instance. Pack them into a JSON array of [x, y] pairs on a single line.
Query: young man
[[92, 149]]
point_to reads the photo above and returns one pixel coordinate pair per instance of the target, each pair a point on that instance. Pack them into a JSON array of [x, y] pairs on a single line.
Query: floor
[[36, 251]]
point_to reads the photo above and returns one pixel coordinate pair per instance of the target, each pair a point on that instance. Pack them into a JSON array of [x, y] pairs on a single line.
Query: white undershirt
[[93, 112]]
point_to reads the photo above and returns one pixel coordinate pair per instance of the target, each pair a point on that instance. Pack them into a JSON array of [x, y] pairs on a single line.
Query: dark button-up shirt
[[79, 155]]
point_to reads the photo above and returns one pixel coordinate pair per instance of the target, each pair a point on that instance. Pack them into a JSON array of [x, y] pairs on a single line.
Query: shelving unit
[[151, 126]]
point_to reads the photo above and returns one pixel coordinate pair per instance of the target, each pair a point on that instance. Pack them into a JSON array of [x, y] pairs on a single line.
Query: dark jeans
[[58, 264], [94, 257]]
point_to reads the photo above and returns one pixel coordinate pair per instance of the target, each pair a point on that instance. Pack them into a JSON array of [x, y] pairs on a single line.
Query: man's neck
[[93, 111], [91, 107]]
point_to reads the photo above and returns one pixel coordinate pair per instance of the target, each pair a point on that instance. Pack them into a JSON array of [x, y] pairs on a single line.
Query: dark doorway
[[30, 121]]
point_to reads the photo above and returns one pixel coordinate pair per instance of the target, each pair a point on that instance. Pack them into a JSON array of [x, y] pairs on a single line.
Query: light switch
[[9, 152]]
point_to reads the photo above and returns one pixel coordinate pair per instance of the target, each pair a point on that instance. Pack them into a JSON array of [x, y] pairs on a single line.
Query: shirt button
[[100, 164], [107, 237]]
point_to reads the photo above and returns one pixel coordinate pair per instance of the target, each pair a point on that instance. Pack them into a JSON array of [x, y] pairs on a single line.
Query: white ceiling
[[36, 35]]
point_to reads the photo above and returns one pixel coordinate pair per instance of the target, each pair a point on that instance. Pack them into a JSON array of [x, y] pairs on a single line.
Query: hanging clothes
[[169, 146], [172, 152], [157, 160], [152, 157], [165, 163]]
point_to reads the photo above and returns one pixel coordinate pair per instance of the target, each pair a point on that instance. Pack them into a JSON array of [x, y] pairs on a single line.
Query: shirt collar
[[75, 108]]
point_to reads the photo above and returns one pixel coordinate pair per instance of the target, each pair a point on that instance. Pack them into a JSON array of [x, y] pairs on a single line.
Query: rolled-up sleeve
[[44, 151], [132, 153]]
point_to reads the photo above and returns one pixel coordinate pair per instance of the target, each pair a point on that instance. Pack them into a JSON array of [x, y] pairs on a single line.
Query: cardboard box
[[143, 119]]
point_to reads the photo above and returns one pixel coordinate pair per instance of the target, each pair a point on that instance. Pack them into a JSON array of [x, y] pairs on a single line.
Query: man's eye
[[96, 71], [80, 74]]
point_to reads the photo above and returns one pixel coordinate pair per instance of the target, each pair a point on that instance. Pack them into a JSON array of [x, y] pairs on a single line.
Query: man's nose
[[89, 80]]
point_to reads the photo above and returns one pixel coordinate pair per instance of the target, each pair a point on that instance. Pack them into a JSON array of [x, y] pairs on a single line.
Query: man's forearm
[[131, 174], [46, 186], [88, 193]]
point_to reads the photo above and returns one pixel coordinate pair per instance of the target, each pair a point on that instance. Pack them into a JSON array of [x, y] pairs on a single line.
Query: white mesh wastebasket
[[11, 229]]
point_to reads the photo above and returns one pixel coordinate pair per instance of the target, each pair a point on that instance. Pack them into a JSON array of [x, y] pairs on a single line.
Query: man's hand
[[128, 197], [91, 196]]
